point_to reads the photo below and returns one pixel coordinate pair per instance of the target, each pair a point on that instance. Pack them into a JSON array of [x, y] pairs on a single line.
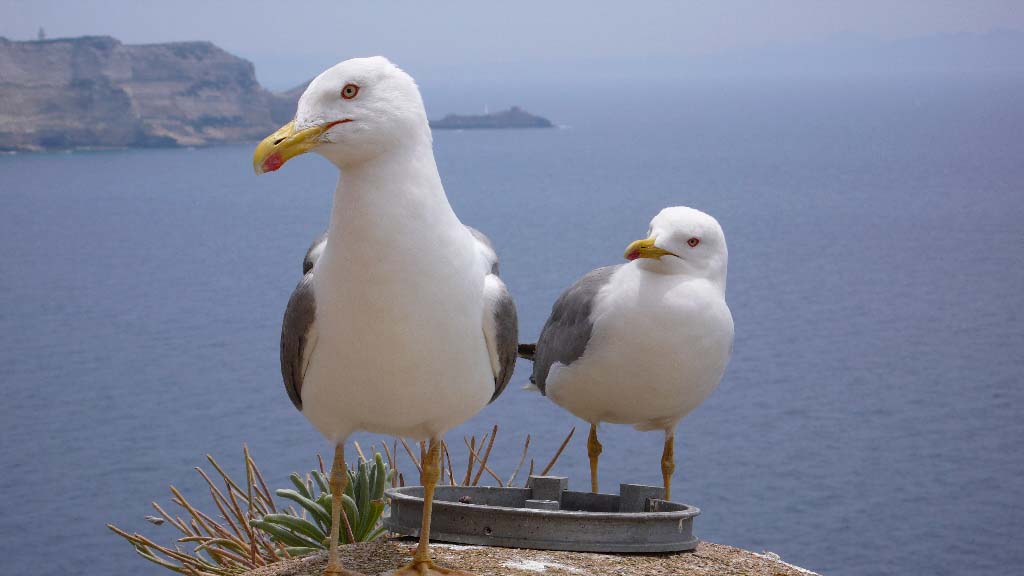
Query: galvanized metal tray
[[547, 516]]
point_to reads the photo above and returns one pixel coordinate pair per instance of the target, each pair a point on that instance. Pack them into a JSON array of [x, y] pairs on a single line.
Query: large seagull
[[401, 325]]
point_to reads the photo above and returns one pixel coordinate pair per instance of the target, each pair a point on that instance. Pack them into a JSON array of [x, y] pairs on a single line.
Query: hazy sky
[[291, 41]]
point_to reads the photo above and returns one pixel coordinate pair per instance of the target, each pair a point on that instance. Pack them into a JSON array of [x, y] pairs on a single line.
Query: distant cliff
[[95, 92]]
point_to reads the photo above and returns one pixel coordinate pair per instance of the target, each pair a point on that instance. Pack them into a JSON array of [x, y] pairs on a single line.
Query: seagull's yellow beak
[[645, 249], [286, 143]]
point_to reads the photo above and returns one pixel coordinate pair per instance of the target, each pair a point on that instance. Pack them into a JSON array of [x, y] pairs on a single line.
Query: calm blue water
[[869, 422]]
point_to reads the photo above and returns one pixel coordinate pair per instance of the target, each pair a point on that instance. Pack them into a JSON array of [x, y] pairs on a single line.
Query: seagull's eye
[[349, 91], [693, 242]]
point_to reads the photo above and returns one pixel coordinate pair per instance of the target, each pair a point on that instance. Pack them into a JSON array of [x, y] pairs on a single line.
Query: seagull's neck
[[398, 190], [392, 207]]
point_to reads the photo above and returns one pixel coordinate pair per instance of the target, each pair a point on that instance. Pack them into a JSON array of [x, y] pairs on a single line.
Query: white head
[[351, 112], [682, 240]]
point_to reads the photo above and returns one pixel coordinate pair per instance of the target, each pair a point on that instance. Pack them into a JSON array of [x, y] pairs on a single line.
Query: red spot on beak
[[633, 255], [273, 162]]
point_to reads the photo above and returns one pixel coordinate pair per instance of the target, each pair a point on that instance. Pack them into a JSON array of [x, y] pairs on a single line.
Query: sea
[[869, 422]]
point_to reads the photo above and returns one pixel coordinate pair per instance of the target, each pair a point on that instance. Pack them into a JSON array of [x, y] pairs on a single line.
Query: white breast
[[658, 349], [399, 297]]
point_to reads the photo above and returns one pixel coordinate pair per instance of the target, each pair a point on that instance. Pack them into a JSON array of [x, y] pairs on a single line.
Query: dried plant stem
[[218, 497], [487, 454], [248, 485], [263, 491], [554, 459], [412, 458], [448, 458], [473, 454], [359, 450], [471, 444], [184, 504], [224, 475], [394, 452], [387, 454], [176, 522], [526, 447]]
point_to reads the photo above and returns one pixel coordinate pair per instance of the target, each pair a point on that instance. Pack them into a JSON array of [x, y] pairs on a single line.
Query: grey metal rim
[[635, 520]]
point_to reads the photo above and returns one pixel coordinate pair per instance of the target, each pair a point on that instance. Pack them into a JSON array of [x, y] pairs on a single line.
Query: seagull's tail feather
[[527, 351]]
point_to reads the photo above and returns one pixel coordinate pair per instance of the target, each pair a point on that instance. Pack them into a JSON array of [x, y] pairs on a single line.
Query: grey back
[[565, 335], [506, 325], [297, 337]]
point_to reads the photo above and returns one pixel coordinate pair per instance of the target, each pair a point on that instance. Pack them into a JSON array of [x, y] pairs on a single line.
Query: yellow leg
[[668, 462], [594, 452], [339, 477], [422, 564]]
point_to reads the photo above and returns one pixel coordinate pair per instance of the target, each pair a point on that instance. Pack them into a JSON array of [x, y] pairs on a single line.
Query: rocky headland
[[95, 92]]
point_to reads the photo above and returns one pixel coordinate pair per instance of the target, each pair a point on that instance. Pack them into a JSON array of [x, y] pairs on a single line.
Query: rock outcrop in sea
[[514, 117], [95, 92]]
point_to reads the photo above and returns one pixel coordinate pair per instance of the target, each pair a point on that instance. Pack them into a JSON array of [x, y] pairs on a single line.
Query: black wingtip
[[527, 351]]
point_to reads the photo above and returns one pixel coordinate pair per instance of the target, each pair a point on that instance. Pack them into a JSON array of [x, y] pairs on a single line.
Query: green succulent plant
[[362, 506]]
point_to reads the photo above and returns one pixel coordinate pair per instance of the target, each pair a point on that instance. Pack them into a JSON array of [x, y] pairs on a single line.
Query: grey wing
[[313, 253], [298, 338], [501, 331], [486, 248], [565, 335]]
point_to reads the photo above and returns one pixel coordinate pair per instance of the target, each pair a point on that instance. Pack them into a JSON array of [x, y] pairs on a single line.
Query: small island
[[514, 117]]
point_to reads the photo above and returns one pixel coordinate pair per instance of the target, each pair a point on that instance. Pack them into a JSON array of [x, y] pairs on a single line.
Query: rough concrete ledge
[[383, 556]]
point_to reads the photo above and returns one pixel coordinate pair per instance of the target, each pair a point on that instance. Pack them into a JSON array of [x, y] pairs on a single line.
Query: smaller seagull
[[642, 343]]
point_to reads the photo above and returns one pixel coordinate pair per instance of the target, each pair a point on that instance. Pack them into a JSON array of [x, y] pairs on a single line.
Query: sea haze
[[868, 423]]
